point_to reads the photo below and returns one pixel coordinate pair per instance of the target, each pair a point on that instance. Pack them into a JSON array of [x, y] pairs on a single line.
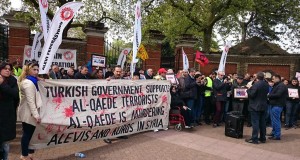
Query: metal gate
[[3, 42], [112, 53]]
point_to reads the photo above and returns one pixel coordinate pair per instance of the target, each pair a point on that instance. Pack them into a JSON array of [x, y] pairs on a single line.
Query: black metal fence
[[112, 53], [3, 42]]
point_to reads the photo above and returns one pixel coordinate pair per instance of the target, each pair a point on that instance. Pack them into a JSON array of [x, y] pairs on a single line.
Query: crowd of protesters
[[202, 98]]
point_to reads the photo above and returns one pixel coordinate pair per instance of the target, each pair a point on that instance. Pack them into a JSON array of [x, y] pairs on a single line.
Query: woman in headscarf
[[29, 106], [9, 99]]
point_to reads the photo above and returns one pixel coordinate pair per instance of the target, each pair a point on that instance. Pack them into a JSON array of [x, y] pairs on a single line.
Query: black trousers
[[28, 130], [208, 108]]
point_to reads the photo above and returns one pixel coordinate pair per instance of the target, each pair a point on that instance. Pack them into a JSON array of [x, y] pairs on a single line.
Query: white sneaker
[[166, 129], [156, 130], [187, 127]]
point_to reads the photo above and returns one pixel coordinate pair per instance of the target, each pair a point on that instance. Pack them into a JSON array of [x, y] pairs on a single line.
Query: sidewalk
[[203, 142]]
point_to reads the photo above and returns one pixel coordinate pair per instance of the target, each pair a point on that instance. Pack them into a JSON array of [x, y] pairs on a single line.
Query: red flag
[[201, 59]]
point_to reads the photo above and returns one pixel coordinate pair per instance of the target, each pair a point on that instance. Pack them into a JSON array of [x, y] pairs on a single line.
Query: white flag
[[122, 57], [137, 37], [185, 61], [224, 57], [54, 39], [36, 45], [46, 22]]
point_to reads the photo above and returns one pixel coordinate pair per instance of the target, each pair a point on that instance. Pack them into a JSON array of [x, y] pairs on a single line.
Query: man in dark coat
[[149, 73], [277, 98], [9, 100], [54, 73], [83, 74], [189, 94], [257, 95], [220, 88]]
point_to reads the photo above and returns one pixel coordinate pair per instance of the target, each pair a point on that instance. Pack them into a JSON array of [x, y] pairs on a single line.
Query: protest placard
[[64, 58], [79, 110], [293, 92]]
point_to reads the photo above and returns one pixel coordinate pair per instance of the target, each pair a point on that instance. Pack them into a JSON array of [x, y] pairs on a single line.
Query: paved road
[[203, 142]]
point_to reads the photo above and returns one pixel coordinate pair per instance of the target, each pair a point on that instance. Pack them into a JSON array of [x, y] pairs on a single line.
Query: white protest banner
[[64, 58], [36, 44], [46, 22], [54, 39], [293, 93], [137, 36], [171, 78], [122, 57], [224, 57], [185, 60], [79, 110]]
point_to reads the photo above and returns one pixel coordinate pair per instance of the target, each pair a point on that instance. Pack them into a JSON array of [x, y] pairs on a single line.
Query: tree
[[197, 17], [115, 14], [268, 19], [4, 8]]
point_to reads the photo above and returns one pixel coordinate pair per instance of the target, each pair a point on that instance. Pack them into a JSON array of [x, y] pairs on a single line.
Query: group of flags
[[52, 34], [200, 58]]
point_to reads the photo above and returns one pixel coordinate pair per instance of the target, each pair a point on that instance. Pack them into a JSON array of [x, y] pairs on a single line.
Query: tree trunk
[[244, 31], [207, 39]]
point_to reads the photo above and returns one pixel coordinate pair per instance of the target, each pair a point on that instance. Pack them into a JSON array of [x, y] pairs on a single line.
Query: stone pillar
[[187, 42], [95, 39], [154, 51], [19, 36]]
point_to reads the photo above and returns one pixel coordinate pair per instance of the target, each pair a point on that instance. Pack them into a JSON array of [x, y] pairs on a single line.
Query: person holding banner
[[9, 99], [117, 75], [29, 106]]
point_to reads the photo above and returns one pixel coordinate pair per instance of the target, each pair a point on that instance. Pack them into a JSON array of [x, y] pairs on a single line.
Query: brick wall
[[282, 70], [154, 53], [284, 65], [17, 39], [229, 68]]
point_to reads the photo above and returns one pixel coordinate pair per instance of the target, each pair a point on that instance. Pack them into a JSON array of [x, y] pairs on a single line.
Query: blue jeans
[[198, 109], [258, 120], [276, 123], [291, 113], [190, 103], [4, 148], [268, 116]]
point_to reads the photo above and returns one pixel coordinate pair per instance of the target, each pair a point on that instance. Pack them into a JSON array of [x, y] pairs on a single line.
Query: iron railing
[[112, 53], [3, 42]]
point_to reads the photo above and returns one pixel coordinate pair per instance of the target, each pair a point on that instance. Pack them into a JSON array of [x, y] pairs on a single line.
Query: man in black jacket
[[277, 99], [220, 88], [257, 95], [83, 73], [292, 105], [189, 94], [149, 73]]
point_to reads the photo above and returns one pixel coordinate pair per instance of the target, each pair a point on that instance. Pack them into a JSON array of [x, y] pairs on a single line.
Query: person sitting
[[176, 102]]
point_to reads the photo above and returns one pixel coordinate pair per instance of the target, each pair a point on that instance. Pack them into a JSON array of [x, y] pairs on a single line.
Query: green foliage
[[198, 17], [268, 19], [4, 8]]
